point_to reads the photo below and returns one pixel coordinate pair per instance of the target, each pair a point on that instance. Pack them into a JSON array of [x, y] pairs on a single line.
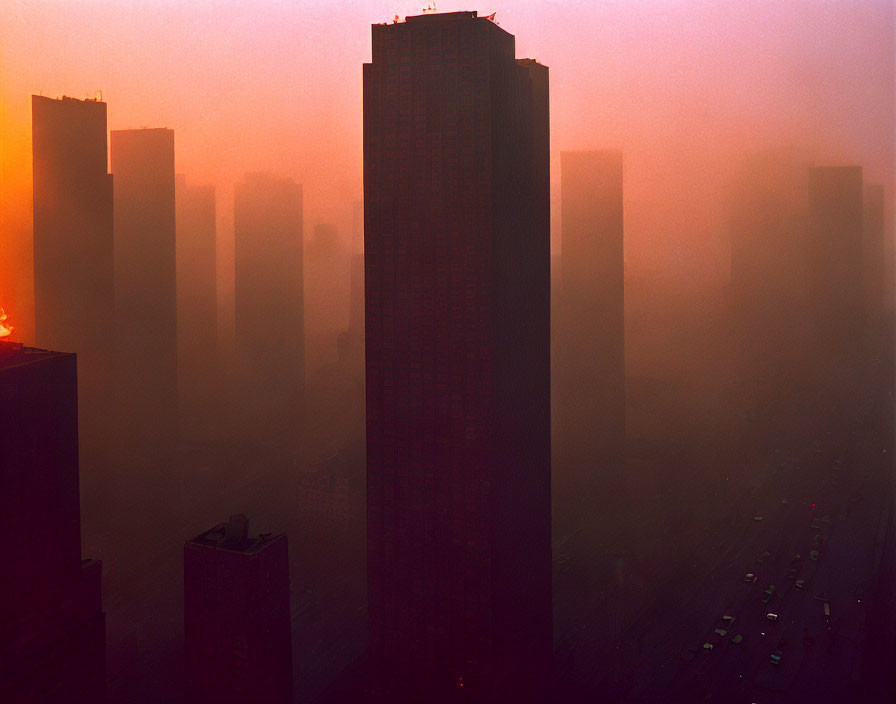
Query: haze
[[683, 88]]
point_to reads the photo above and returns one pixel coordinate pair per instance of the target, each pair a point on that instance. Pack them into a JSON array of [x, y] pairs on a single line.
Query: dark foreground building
[[238, 644], [145, 283], [592, 340], [197, 307], [52, 626], [457, 269], [73, 266], [270, 339]]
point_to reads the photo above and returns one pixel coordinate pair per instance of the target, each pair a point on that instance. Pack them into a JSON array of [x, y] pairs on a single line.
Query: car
[[728, 619], [813, 555], [771, 616], [816, 525], [777, 657], [758, 518], [800, 584], [818, 539], [750, 577], [737, 639], [720, 632], [707, 647]]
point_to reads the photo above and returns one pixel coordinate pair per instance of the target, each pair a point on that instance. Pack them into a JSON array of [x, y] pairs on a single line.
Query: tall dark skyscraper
[[270, 338], [73, 266], [197, 304], [835, 226], [145, 282], [238, 642], [457, 267], [52, 627], [592, 342]]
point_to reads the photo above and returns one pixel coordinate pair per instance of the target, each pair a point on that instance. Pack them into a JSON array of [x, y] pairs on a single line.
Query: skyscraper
[[835, 256], [592, 343], [457, 269], [73, 266], [197, 304], [145, 283], [875, 254], [52, 627], [238, 642], [270, 346], [327, 271]]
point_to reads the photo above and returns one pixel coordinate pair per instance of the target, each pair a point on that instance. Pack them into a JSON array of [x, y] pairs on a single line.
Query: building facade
[[269, 299], [73, 260], [52, 626], [146, 284], [457, 288], [238, 642]]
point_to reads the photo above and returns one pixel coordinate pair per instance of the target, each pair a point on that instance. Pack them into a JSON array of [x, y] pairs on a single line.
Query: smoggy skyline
[[684, 89]]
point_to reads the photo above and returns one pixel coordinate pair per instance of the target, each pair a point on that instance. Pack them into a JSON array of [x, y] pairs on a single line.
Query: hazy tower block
[[145, 281], [592, 338], [269, 299], [73, 265]]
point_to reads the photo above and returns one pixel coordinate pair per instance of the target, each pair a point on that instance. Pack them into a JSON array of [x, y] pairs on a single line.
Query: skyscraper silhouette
[[592, 342], [270, 340], [197, 305], [145, 283], [457, 268], [73, 265]]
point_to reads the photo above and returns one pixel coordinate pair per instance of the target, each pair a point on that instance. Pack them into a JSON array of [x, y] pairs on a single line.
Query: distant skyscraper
[[145, 282], [267, 222], [52, 627], [875, 254], [238, 642], [73, 266], [592, 343], [835, 255], [327, 287], [769, 291], [197, 304], [457, 267]]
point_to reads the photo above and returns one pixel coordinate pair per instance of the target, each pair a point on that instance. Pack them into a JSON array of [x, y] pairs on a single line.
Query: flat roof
[[14, 354], [215, 539]]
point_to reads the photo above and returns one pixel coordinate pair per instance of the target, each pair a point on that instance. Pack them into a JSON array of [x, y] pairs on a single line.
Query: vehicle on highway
[[768, 593], [800, 584], [764, 556], [771, 616], [721, 632], [750, 577], [813, 555], [707, 647], [737, 639], [776, 657]]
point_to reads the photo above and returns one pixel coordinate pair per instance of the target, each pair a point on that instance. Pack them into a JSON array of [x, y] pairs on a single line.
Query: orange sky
[[683, 87]]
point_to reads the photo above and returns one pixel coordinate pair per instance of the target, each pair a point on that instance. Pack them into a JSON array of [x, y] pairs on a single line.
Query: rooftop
[[13, 354], [233, 536]]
